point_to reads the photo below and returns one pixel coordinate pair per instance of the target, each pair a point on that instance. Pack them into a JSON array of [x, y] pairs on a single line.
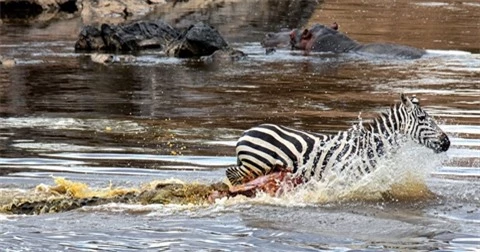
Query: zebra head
[[421, 127]]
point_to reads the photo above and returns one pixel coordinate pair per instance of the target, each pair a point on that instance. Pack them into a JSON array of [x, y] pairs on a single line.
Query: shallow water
[[159, 118]]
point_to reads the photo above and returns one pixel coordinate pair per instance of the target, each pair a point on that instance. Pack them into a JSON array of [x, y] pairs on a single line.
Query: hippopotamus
[[284, 38], [321, 38], [278, 39]]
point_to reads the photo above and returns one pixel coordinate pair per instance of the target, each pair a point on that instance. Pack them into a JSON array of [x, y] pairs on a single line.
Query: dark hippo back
[[321, 38], [333, 42], [391, 50]]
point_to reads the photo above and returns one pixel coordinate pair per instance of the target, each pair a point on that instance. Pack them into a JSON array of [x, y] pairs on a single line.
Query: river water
[[160, 118]]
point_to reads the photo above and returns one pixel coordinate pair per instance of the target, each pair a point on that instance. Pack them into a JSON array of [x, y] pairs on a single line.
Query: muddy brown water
[[160, 118]]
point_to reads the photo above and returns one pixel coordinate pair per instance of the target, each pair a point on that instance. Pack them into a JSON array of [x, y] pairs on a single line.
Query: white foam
[[225, 143], [66, 123], [197, 160], [466, 129], [432, 4], [448, 52], [7, 217]]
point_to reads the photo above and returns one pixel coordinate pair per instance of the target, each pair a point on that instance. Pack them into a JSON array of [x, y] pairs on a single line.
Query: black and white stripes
[[265, 148]]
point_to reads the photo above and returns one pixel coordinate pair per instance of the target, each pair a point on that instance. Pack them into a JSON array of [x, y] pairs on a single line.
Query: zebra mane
[[378, 122]]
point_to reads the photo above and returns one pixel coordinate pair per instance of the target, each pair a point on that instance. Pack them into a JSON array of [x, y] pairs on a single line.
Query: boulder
[[198, 40], [129, 37], [224, 56], [7, 62]]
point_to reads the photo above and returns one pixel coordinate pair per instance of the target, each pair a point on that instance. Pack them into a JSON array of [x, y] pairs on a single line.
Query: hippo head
[[277, 39], [305, 39]]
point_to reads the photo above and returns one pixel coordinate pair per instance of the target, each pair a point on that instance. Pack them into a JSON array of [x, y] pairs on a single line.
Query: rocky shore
[[91, 11], [172, 11]]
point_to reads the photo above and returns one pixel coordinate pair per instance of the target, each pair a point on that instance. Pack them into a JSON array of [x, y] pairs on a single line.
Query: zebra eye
[[422, 117]]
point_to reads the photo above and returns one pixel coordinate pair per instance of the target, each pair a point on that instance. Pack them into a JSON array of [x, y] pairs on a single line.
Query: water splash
[[399, 177], [81, 190]]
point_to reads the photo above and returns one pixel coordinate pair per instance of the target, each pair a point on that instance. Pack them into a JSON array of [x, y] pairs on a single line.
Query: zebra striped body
[[266, 148]]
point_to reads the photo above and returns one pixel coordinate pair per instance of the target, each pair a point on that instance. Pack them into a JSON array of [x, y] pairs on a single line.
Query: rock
[[270, 50], [198, 40], [224, 56], [108, 59], [115, 11], [90, 39], [7, 62], [223, 14], [129, 37], [37, 10], [104, 58], [35, 5]]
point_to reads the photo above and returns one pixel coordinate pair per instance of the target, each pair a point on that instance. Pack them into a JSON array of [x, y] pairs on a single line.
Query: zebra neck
[[390, 124], [384, 132], [360, 147], [376, 143]]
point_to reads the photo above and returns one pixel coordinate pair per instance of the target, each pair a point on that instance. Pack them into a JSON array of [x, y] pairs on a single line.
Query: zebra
[[267, 148]]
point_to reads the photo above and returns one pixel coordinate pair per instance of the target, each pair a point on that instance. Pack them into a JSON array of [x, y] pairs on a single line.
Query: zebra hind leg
[[275, 183], [238, 175]]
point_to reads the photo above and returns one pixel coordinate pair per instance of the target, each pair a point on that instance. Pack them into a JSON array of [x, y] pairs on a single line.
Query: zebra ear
[[406, 101], [415, 100]]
